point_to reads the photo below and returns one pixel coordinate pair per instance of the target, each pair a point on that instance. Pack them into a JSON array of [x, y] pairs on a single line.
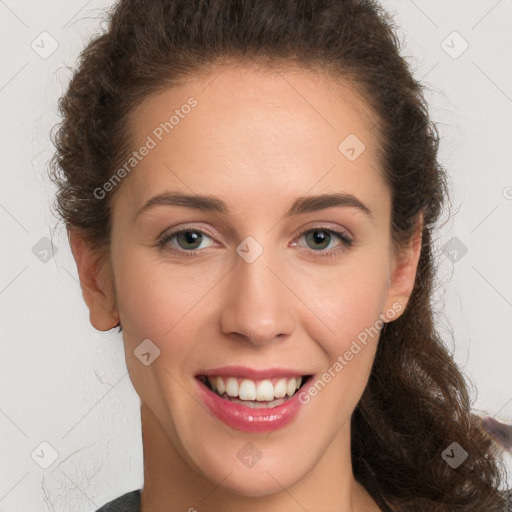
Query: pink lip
[[247, 419], [252, 373]]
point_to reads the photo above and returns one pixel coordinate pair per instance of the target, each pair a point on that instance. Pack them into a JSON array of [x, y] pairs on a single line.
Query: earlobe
[[96, 281], [403, 275]]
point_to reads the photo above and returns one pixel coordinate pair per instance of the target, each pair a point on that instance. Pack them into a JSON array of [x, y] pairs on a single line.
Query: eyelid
[[192, 227], [326, 227]]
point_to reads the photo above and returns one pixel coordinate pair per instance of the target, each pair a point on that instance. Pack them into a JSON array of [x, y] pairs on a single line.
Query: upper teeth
[[264, 390]]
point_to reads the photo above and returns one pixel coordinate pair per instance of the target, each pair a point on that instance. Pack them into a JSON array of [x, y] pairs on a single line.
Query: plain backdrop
[[69, 416]]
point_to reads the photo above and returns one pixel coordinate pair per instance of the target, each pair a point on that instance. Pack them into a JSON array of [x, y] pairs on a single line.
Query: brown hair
[[416, 402]]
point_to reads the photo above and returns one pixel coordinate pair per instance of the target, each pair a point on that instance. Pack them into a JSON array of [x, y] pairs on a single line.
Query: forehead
[[274, 131]]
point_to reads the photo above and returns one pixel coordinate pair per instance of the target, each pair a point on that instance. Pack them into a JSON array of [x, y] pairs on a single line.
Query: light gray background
[[65, 384]]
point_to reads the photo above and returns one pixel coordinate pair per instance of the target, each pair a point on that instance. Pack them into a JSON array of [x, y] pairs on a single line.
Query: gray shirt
[[130, 502]]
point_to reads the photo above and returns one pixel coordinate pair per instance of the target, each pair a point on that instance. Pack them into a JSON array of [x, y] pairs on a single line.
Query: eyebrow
[[304, 204]]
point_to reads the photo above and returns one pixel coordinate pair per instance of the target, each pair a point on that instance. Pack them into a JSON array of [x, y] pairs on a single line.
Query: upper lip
[[252, 373]]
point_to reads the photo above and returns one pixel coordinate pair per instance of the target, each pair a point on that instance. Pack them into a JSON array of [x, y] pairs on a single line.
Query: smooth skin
[[258, 139]]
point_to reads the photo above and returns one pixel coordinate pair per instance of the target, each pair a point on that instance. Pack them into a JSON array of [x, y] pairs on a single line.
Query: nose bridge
[[258, 305]]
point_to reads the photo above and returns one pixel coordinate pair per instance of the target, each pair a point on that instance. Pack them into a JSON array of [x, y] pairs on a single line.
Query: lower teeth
[[255, 404]]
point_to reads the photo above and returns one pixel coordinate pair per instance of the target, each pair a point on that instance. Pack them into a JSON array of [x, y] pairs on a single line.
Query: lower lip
[[248, 419]]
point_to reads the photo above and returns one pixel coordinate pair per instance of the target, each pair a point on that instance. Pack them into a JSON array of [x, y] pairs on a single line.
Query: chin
[[255, 484], [264, 478]]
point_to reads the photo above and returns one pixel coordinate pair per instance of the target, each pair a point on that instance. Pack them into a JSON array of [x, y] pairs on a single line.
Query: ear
[[403, 274], [96, 281]]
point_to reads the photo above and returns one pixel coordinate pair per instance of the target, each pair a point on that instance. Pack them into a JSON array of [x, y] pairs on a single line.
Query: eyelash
[[346, 241]]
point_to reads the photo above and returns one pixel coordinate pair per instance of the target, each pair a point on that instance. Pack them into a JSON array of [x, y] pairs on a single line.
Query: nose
[[258, 304]]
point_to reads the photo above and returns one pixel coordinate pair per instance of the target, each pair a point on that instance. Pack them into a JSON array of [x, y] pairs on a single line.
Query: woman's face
[[254, 282]]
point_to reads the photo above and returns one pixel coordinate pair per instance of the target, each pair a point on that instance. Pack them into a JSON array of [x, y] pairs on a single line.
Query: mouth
[[253, 401], [254, 393]]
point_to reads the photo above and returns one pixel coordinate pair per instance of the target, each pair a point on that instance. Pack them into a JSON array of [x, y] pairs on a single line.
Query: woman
[[250, 191]]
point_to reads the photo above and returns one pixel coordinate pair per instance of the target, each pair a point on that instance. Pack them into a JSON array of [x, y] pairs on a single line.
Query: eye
[[185, 239], [323, 241]]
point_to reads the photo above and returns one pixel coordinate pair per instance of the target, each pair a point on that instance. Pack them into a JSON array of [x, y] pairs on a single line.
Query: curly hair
[[416, 403]]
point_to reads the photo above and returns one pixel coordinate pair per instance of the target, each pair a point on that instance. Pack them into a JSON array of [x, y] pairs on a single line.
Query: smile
[[252, 404]]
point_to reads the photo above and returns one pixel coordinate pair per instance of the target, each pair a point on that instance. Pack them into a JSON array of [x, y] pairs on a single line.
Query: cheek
[[346, 305], [154, 299], [161, 303], [348, 333], [165, 304]]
